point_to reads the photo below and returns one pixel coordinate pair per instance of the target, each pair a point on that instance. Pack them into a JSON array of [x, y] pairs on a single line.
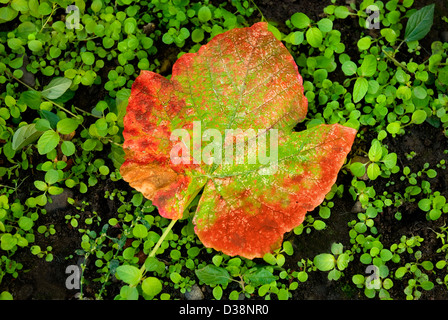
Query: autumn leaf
[[242, 89]]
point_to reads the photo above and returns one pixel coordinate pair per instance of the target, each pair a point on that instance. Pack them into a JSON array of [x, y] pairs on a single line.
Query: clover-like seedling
[[435, 205], [379, 161], [246, 80], [334, 262]]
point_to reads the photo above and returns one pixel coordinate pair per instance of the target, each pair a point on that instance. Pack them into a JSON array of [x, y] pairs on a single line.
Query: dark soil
[[46, 280], [280, 11]]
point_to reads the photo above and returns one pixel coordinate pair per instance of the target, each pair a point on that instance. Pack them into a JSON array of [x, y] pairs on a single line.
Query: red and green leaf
[[242, 79]]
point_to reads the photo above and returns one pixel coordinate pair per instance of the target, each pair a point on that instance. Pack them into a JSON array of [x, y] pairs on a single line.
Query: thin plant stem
[[396, 50], [86, 112], [261, 13], [49, 17], [31, 88], [162, 238], [395, 61], [3, 186], [159, 243]]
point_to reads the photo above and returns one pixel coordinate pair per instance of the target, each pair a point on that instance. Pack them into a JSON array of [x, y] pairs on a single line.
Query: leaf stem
[[395, 61], [159, 243], [115, 143], [62, 108], [165, 233], [31, 88], [261, 13], [49, 17], [396, 50], [3, 186], [86, 112]]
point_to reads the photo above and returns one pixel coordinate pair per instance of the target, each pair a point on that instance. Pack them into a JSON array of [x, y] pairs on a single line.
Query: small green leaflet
[[258, 276], [349, 68], [151, 286], [129, 274], [24, 136], [314, 37], [31, 98], [52, 118], [418, 117], [48, 141], [300, 20], [56, 88], [373, 171], [324, 261], [368, 66], [213, 275], [390, 160], [360, 89], [375, 151], [367, 69], [67, 125], [7, 14], [419, 24], [7, 242]]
